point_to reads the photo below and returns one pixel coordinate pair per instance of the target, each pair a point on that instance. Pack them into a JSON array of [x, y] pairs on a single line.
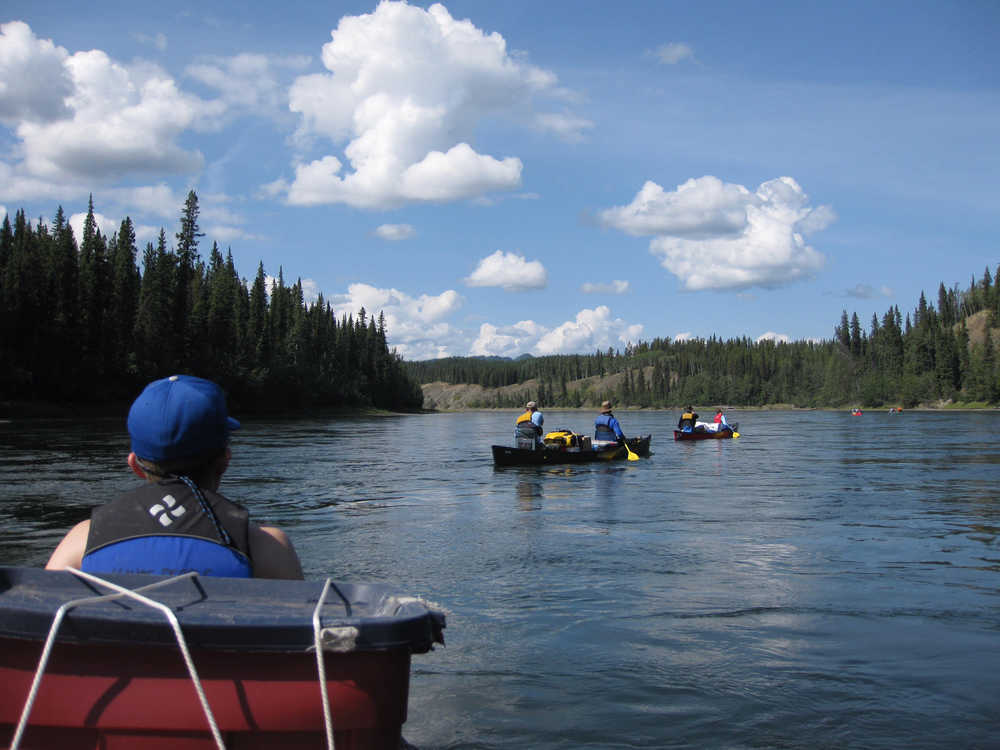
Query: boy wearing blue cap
[[177, 521]]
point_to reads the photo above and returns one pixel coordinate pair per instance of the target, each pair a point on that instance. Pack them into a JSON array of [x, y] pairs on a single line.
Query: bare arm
[[273, 554], [69, 552]]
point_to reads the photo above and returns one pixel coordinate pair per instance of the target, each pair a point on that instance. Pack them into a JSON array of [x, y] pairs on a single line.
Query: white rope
[[172, 619], [321, 666]]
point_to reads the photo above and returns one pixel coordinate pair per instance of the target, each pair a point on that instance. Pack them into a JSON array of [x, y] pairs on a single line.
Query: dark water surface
[[823, 581]]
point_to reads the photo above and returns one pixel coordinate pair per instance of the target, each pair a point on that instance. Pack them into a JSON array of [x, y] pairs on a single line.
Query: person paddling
[[688, 420], [606, 427], [528, 427]]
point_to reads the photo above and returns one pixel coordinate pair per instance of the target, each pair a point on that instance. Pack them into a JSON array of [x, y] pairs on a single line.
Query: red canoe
[[117, 676]]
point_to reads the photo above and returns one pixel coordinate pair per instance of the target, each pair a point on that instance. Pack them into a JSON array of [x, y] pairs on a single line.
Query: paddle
[[631, 455]]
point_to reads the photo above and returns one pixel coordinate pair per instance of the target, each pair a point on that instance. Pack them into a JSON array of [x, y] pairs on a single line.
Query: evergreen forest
[[88, 323], [80, 323], [934, 355]]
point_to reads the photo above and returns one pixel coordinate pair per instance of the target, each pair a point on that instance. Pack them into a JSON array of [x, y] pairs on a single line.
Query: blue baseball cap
[[179, 417]]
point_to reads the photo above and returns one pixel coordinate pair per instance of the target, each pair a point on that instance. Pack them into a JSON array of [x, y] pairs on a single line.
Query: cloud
[[686, 336], [310, 288], [395, 232], [565, 125], [716, 235], [34, 81], [3, 211], [507, 341], [415, 325], [406, 91], [865, 291], [509, 271], [674, 52], [105, 226], [589, 331], [84, 118], [159, 200], [249, 83], [613, 287], [778, 338]]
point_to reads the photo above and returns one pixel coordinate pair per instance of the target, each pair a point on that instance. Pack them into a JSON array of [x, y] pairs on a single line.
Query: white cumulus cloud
[[605, 287], [506, 341], [591, 330], [83, 118], [716, 235], [415, 325], [105, 226], [419, 327], [406, 89], [395, 232], [34, 81], [509, 271]]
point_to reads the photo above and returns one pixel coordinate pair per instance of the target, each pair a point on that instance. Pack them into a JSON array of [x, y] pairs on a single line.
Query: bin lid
[[232, 614]]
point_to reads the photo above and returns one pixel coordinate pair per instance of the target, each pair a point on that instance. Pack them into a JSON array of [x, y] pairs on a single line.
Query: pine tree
[[124, 300], [184, 294]]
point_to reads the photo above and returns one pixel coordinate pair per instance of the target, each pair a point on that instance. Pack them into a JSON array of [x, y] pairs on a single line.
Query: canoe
[[117, 676], [720, 434], [506, 456]]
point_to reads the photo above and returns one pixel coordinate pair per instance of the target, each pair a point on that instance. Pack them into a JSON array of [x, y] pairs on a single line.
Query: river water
[[824, 581]]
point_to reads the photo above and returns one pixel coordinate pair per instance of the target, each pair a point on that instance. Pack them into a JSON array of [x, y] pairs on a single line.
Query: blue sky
[[502, 178]]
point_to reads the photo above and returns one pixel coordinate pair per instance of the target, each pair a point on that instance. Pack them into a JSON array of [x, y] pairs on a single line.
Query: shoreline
[[768, 407], [11, 410]]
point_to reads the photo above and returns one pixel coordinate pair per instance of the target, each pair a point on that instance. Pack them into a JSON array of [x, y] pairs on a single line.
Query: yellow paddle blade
[[632, 456], [736, 434]]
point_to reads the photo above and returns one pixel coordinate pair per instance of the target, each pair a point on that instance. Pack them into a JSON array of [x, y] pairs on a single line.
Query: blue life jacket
[[169, 527], [604, 429]]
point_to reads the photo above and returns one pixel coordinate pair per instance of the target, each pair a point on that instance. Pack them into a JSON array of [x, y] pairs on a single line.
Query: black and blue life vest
[[603, 429], [167, 528]]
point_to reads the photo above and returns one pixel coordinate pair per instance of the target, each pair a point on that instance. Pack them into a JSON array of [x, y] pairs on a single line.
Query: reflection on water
[[529, 491], [822, 581]]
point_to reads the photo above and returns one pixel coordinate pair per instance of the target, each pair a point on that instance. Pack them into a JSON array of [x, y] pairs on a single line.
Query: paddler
[[528, 427], [606, 427], [688, 419], [177, 521]]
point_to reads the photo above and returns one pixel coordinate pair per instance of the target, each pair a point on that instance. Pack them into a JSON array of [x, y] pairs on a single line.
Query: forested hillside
[[82, 323], [934, 354]]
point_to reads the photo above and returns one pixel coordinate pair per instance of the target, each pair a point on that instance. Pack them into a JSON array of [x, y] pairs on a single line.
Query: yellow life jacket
[[526, 417]]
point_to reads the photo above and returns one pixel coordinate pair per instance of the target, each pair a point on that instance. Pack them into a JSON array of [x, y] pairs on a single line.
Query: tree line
[[942, 353], [83, 323]]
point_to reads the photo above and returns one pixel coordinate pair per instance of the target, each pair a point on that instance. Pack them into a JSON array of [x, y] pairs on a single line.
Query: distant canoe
[[506, 456], [721, 434]]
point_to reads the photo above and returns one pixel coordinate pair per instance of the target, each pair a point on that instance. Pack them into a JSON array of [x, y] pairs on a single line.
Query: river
[[824, 581]]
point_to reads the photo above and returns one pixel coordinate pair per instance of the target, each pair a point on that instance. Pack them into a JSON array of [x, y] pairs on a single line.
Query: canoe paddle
[[631, 456]]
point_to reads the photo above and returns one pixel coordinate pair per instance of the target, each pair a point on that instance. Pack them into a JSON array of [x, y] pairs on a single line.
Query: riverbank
[[449, 397]]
